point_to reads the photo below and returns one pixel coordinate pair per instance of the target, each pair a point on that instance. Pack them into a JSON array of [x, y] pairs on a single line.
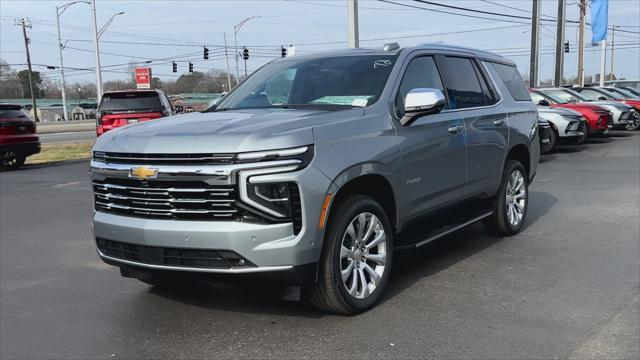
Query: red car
[[599, 119], [120, 108], [18, 137]]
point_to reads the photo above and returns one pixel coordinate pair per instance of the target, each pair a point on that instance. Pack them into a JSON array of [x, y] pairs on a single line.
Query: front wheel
[[634, 125], [12, 160], [356, 257], [511, 203]]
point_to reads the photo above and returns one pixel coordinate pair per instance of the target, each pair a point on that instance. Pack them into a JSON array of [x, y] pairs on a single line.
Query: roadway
[[65, 137], [566, 287]]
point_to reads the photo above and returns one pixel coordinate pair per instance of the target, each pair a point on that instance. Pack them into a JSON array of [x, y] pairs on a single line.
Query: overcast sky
[[163, 31]]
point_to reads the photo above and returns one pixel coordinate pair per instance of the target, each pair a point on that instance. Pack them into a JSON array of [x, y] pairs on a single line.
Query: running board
[[437, 234]]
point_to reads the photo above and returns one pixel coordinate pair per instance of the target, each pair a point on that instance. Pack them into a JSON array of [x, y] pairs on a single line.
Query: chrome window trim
[[204, 270]]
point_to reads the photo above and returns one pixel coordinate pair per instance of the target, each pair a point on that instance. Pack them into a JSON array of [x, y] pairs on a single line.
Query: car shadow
[[599, 140], [409, 268], [28, 167], [545, 158], [568, 149], [620, 134], [417, 264]]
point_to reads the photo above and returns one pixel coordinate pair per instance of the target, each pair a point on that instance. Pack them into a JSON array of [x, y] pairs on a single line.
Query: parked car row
[[573, 114]]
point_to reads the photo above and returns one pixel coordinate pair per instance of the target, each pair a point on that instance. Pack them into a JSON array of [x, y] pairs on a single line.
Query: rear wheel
[[12, 160], [356, 258], [511, 203]]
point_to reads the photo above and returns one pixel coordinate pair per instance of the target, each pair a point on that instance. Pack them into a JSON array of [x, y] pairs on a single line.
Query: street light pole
[[236, 28], [354, 37], [97, 46], [98, 34], [59, 11]]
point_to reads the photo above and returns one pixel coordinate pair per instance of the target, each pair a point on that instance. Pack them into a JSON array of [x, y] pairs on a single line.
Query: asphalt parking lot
[[566, 287]]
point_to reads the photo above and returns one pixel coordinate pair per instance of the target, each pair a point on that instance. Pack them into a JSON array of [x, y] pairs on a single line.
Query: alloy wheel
[[363, 255], [516, 197]]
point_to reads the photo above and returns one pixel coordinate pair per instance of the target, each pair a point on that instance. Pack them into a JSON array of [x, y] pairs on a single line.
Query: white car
[[567, 126]]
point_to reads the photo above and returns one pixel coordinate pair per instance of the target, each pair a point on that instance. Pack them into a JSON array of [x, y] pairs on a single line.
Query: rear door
[[433, 146], [474, 98]]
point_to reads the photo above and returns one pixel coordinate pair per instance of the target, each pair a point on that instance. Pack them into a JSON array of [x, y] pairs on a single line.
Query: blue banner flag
[[599, 20]]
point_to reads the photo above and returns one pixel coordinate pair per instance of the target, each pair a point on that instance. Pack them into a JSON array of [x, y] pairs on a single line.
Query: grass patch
[[60, 152]]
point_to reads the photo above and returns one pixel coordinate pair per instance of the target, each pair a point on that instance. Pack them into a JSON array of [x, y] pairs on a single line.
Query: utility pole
[[613, 41], [583, 9], [25, 23], [354, 36], [226, 55], [603, 61], [559, 73], [535, 44], [97, 46]]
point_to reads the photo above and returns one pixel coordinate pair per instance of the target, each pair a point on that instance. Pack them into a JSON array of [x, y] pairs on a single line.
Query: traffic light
[[566, 47], [283, 52], [174, 67], [206, 53], [245, 54], [190, 67]]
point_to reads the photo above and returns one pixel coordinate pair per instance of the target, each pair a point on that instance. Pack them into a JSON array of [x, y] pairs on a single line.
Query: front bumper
[[25, 148], [270, 248]]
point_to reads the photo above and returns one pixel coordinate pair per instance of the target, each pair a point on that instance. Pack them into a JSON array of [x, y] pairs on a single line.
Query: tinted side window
[[462, 83], [421, 73], [512, 79]]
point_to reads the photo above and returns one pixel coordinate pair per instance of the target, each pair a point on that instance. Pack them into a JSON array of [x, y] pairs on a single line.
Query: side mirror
[[422, 101], [602, 98], [543, 102]]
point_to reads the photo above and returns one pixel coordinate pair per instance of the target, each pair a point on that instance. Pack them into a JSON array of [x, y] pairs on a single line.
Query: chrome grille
[[163, 159], [183, 200]]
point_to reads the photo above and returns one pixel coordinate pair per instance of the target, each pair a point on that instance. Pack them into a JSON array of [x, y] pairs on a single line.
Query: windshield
[[594, 95], [330, 83], [622, 92], [142, 100], [564, 96]]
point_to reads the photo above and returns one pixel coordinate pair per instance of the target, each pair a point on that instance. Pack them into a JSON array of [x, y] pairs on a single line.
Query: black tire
[[330, 293], [498, 223], [13, 161], [634, 125], [585, 134], [553, 139]]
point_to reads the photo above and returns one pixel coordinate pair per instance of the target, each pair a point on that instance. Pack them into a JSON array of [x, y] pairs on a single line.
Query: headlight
[[303, 153], [275, 197]]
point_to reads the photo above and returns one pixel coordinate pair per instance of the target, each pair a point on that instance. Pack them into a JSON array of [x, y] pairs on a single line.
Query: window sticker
[[378, 63], [352, 100]]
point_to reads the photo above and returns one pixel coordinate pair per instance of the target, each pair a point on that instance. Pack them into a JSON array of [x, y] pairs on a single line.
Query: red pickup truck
[[18, 137]]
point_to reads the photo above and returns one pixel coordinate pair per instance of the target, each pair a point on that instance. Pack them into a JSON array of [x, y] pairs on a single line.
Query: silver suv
[[317, 167]]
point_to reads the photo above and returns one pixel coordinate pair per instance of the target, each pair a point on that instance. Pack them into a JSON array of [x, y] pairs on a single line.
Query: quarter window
[[513, 81], [421, 73], [463, 85]]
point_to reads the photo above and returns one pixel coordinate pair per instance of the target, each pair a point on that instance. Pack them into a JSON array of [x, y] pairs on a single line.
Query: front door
[[433, 146]]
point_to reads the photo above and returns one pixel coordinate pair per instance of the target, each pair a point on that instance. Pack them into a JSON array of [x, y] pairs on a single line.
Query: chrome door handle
[[455, 129], [498, 122]]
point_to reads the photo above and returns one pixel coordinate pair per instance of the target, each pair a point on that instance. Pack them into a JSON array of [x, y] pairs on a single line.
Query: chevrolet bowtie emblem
[[143, 173]]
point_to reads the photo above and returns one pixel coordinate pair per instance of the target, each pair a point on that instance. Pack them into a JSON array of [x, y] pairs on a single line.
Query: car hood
[[578, 106], [545, 110], [616, 104], [221, 132]]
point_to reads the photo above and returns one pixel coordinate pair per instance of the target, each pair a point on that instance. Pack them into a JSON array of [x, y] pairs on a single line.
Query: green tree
[[23, 79]]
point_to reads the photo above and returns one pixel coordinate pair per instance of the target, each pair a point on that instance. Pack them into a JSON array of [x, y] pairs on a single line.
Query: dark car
[[120, 108], [18, 137], [544, 131]]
